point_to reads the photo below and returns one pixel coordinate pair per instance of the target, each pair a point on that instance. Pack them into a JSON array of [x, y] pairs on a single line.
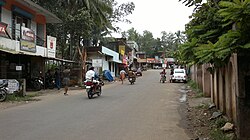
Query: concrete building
[[24, 44]]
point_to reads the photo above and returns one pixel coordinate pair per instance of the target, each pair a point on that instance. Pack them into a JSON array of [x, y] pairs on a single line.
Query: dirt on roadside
[[197, 117]]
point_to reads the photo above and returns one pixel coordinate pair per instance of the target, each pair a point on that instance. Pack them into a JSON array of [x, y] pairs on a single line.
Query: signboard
[[122, 49], [97, 62], [13, 84], [51, 46], [18, 68], [3, 27], [125, 60], [27, 40]]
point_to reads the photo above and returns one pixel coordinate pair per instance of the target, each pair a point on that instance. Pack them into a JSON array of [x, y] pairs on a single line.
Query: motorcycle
[[131, 80], [163, 78], [35, 83], [49, 82], [93, 87], [3, 91]]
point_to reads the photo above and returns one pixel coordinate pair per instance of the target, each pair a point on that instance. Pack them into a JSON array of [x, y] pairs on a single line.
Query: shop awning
[[9, 51], [22, 53], [59, 59]]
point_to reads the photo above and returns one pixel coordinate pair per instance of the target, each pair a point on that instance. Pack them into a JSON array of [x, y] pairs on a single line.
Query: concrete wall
[[228, 91], [243, 96], [206, 80]]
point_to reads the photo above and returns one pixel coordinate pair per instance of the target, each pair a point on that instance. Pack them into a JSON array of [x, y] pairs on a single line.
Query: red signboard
[[3, 27]]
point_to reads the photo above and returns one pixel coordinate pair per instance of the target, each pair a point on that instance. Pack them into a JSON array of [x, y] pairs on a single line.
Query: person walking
[[66, 79], [122, 75]]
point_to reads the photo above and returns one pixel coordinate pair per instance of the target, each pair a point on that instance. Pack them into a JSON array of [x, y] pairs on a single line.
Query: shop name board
[[28, 34], [27, 40]]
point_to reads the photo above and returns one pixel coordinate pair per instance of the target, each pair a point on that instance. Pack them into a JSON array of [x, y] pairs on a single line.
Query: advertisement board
[[27, 42], [13, 84], [3, 27], [122, 49], [97, 63], [51, 46]]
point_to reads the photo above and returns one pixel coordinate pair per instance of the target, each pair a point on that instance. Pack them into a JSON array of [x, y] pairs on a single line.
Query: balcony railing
[[16, 35]]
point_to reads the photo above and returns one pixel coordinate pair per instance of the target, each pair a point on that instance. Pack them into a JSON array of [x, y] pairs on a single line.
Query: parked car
[[179, 75]]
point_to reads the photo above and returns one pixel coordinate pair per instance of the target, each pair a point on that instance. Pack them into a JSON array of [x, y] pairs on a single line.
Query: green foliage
[[194, 86], [217, 134], [190, 3], [220, 122], [15, 97], [84, 22], [168, 42], [217, 29], [202, 106]]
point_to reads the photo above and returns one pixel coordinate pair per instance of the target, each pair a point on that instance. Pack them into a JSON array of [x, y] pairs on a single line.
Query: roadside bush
[[17, 98], [194, 86]]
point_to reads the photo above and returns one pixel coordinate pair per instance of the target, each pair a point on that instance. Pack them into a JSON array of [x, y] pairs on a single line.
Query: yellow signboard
[[122, 49]]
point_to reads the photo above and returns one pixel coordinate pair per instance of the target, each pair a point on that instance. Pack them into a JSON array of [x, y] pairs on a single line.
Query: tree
[[218, 29], [85, 22], [147, 43]]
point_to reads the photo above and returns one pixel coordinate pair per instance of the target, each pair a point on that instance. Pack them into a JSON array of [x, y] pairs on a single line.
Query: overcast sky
[[156, 16]]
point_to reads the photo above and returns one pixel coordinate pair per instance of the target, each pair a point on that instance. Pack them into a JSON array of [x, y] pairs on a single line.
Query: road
[[147, 110]]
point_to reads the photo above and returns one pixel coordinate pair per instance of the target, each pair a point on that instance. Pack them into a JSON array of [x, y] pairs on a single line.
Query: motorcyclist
[[131, 74], [92, 76], [163, 73]]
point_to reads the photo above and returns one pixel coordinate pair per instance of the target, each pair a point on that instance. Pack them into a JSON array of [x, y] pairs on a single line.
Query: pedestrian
[[66, 79], [57, 78], [122, 75]]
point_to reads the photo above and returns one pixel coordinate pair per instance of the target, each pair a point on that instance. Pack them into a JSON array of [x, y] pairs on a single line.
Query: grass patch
[[194, 86], [202, 106], [199, 95], [220, 122], [15, 97], [217, 134]]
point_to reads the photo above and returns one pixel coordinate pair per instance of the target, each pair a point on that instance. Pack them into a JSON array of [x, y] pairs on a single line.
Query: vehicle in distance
[[179, 75]]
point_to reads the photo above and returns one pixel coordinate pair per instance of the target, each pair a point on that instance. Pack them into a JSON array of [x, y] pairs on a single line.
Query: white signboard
[[51, 46], [13, 84], [97, 63], [18, 68]]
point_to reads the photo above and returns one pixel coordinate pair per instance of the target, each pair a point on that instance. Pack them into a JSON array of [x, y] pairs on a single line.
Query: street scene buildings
[[29, 58]]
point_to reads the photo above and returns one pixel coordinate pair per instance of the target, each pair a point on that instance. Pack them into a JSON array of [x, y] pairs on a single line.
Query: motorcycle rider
[[163, 74], [92, 76], [131, 74]]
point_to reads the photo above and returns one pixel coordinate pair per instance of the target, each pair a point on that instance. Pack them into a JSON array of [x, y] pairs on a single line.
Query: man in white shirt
[[90, 74]]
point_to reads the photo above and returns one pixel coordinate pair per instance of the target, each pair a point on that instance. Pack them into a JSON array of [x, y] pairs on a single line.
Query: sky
[[156, 16]]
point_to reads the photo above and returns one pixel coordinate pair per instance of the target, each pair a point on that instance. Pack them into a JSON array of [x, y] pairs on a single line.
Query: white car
[[179, 75]]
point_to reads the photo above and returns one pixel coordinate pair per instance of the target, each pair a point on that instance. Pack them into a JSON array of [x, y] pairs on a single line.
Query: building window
[[40, 35], [17, 22]]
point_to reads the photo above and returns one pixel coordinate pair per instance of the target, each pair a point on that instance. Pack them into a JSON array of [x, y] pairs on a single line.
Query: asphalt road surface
[[147, 110]]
